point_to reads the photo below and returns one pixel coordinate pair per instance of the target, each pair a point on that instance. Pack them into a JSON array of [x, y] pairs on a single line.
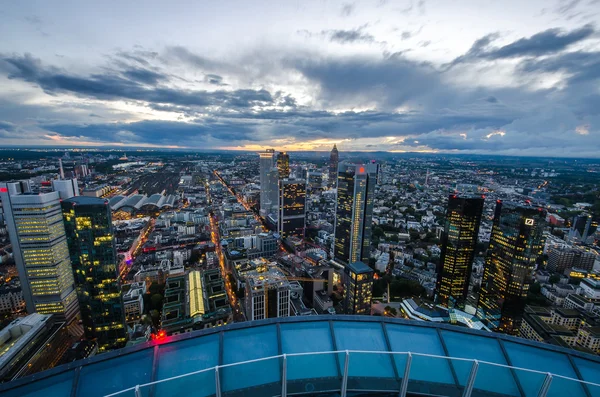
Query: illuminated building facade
[[267, 294], [88, 224], [283, 165], [463, 217], [354, 213], [358, 288], [581, 228], [292, 208], [515, 244], [37, 234], [334, 158], [265, 166]]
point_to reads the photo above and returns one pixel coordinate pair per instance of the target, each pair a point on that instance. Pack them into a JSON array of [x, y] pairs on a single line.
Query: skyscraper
[[266, 194], [66, 188], [37, 235], [283, 165], [292, 208], [358, 288], [354, 213], [463, 217], [581, 228], [334, 159], [272, 206], [88, 225], [516, 242]]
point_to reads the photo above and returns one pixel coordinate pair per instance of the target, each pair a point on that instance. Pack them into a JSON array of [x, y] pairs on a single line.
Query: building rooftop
[[87, 200], [250, 361], [359, 267]]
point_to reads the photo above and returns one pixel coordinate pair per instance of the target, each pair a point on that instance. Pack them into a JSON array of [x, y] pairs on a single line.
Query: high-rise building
[[581, 228], [267, 294], [88, 224], [292, 208], [358, 288], [66, 188], [560, 259], [266, 188], [354, 213], [283, 165], [37, 235], [273, 193], [515, 244], [459, 240], [334, 158]]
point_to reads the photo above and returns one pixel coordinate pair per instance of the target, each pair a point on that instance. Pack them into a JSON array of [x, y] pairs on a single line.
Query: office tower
[[265, 166], [315, 182], [515, 243], [459, 240], [37, 235], [354, 213], [66, 188], [61, 170], [273, 193], [283, 165], [560, 259], [267, 294], [334, 158], [88, 224], [292, 207], [358, 288], [581, 228]]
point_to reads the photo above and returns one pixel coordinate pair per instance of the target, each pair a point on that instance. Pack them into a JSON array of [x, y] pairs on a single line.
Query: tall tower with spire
[[334, 158]]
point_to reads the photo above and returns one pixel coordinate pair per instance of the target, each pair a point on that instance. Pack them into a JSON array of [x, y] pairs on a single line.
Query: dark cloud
[[156, 132], [109, 86], [349, 36], [6, 126], [214, 79], [547, 42], [581, 66], [144, 76]]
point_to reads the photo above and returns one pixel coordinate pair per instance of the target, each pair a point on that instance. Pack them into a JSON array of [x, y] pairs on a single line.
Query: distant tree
[[156, 301], [555, 278], [393, 311]]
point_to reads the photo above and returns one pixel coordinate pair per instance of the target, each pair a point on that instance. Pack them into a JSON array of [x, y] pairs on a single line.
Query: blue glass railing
[[350, 371]]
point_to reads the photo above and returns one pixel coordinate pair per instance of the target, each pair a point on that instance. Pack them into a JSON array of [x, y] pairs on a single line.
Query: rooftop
[[250, 360]]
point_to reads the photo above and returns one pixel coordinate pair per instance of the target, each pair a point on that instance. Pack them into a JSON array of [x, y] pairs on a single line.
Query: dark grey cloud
[[131, 85], [580, 66], [214, 79], [544, 43], [6, 126], [155, 132], [350, 36]]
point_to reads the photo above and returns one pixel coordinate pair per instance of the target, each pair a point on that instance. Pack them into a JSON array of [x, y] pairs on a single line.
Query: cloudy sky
[[482, 76]]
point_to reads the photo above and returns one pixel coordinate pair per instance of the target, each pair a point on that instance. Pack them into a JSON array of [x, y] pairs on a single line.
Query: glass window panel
[[544, 360], [54, 386], [489, 377], [116, 374], [408, 338], [590, 371], [308, 337], [363, 336], [249, 344], [187, 356]]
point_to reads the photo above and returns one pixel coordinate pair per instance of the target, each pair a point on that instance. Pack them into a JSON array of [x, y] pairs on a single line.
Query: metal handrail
[[477, 363]]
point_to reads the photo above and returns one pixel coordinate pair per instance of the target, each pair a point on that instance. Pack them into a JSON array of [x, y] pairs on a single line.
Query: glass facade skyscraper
[[515, 244], [354, 212], [334, 158], [459, 240], [283, 165], [265, 166], [37, 234], [292, 208], [358, 288], [88, 224]]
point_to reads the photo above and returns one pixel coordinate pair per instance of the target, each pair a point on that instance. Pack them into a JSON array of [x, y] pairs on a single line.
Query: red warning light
[[361, 169], [161, 335], [3, 190]]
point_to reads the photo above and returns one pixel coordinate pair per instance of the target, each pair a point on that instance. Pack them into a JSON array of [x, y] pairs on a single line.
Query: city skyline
[[379, 75]]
